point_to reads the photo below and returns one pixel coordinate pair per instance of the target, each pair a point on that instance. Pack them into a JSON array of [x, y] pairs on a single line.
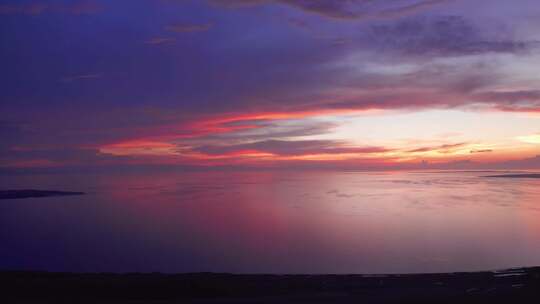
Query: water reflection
[[273, 222]]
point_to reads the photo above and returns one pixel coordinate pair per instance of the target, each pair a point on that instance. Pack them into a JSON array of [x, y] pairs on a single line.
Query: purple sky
[[352, 83]]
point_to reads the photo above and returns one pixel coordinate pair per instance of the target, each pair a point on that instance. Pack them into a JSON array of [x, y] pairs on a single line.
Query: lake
[[272, 222]]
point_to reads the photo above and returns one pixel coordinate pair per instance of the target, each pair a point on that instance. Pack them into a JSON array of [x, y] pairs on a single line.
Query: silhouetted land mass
[[13, 194], [525, 175], [510, 286]]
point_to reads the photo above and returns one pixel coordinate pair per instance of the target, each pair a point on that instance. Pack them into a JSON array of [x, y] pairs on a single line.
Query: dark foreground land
[[15, 194], [510, 286]]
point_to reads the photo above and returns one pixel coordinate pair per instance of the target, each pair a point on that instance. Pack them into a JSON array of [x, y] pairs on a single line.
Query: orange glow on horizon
[[139, 147], [179, 143]]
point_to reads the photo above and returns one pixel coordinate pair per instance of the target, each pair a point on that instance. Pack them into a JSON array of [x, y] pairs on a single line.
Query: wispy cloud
[[160, 40], [290, 147], [38, 7], [511, 96], [446, 148], [441, 36], [188, 27], [511, 101], [481, 151], [81, 77], [140, 147], [345, 10], [530, 139], [28, 9], [407, 9]]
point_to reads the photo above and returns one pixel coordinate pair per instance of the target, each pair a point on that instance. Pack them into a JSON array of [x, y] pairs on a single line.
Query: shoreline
[[520, 285]]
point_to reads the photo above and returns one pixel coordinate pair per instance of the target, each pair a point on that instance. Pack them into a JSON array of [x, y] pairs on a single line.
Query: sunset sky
[[354, 84]]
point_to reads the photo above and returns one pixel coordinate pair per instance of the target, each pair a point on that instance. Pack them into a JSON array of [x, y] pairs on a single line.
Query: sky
[[352, 84]]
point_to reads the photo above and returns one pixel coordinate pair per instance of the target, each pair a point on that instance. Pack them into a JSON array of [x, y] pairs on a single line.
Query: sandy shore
[[510, 286]]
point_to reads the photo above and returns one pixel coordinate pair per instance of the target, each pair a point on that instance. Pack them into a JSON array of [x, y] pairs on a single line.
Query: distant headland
[[29, 193], [524, 175]]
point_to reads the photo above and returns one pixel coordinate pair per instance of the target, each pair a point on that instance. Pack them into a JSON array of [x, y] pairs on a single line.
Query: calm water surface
[[272, 222]]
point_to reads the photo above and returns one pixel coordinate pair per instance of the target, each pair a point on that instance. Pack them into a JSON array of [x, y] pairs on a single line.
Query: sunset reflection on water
[[274, 222]]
